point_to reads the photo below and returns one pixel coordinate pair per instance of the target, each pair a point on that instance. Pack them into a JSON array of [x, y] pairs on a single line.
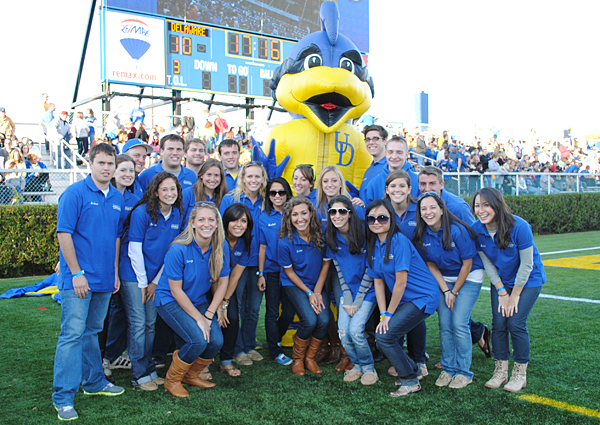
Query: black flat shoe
[[378, 355], [486, 342]]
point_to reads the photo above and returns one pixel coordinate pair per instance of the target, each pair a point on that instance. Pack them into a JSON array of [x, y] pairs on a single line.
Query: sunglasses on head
[[274, 193], [381, 219], [340, 211], [260, 164]]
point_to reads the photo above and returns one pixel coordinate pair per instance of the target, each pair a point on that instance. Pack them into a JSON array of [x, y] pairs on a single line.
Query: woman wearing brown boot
[[301, 256], [198, 258]]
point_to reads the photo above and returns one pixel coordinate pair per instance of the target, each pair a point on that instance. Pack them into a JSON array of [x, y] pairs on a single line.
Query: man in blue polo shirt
[[375, 138], [396, 154], [89, 226], [431, 179], [229, 153], [171, 152], [138, 151]]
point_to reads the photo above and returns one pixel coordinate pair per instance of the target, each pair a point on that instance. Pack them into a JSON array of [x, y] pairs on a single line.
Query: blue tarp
[[35, 290]]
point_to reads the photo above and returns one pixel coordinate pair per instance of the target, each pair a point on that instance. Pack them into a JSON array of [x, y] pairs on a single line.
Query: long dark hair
[[356, 228], [150, 198], [287, 229], [120, 159], [286, 187], [503, 218], [372, 237], [233, 213], [448, 219], [220, 190]]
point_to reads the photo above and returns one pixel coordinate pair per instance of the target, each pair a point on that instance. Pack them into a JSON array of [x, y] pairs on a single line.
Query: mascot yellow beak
[[326, 96]]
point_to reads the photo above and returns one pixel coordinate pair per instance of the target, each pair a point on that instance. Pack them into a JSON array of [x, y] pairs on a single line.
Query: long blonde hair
[[241, 187], [219, 192], [217, 240], [321, 197]]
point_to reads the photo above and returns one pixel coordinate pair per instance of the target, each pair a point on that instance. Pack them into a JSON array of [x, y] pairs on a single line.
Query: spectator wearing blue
[[269, 268], [447, 164], [116, 331], [89, 226], [138, 151], [152, 225], [90, 119], [431, 179], [447, 244], [514, 266], [303, 181], [35, 180], [396, 153], [302, 257], [398, 191], [345, 239], [394, 262], [375, 138], [137, 114], [238, 224], [171, 152], [196, 260], [210, 187], [229, 153], [250, 191]]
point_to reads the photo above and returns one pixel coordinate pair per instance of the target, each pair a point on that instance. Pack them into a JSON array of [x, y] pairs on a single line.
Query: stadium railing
[[39, 186]]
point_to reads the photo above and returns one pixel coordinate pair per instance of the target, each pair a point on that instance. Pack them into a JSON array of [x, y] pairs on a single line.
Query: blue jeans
[[249, 299], [78, 361], [405, 318], [455, 335], [311, 324], [116, 339], [516, 325], [231, 332], [140, 335], [275, 325], [194, 344], [352, 335]]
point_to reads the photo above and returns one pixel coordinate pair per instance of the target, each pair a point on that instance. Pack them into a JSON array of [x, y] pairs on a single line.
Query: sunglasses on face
[[381, 219], [340, 211], [273, 193], [374, 139]]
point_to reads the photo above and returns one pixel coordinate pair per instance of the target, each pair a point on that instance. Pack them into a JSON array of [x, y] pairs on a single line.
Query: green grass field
[[563, 369]]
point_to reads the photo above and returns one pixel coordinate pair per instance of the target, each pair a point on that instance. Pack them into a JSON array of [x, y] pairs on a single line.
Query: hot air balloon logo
[[135, 35]]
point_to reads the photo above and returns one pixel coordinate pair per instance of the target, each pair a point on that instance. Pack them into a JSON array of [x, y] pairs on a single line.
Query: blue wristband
[[309, 292], [387, 313], [500, 289], [79, 273]]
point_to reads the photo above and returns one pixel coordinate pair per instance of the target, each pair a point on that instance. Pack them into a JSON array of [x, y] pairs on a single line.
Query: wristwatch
[[260, 273]]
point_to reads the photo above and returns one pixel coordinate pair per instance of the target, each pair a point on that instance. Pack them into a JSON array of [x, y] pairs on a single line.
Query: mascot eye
[[312, 60], [347, 64]]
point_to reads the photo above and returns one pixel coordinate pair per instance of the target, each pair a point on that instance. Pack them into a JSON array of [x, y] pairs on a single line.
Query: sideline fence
[[36, 186]]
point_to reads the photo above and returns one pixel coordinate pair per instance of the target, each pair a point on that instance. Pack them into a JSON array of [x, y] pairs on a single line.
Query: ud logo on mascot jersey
[[323, 84]]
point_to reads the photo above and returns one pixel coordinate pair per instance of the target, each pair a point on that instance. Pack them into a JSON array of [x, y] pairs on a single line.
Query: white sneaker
[[122, 362]]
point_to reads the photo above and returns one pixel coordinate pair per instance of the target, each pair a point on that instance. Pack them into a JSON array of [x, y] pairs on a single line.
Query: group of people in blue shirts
[[200, 255]]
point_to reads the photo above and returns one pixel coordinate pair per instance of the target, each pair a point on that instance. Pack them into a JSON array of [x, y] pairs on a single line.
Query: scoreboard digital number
[[216, 60]]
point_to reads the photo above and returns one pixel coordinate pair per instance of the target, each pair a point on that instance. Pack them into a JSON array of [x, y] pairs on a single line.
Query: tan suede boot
[[345, 363], [500, 376], [175, 374], [311, 352], [298, 355], [192, 376], [518, 379]]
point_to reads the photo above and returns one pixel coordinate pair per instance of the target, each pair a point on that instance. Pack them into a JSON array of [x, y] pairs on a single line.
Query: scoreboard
[[217, 60]]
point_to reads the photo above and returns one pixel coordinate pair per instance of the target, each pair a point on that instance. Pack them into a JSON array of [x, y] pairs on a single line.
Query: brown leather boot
[[175, 374], [309, 361], [192, 376], [334, 341], [345, 363], [298, 355]]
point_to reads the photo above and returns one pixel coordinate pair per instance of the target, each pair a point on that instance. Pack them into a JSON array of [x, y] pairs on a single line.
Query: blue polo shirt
[[353, 267], [255, 212], [313, 197], [421, 287], [268, 235], [155, 239], [373, 171], [188, 199], [507, 261], [231, 181], [407, 222], [303, 257], [137, 188], [94, 222], [457, 206], [376, 188], [189, 264], [450, 262], [239, 255], [186, 177], [131, 201]]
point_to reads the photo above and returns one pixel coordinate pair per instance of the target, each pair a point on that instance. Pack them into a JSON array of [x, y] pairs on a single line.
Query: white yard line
[[570, 250], [557, 297]]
